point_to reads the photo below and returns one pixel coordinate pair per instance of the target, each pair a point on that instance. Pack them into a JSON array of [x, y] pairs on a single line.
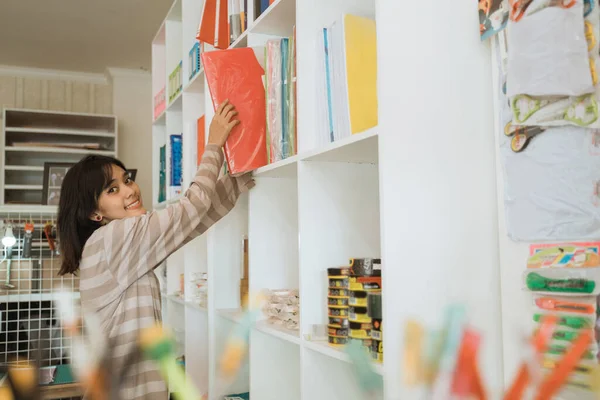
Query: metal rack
[[27, 314]]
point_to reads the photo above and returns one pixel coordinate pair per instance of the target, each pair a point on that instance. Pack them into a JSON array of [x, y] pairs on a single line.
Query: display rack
[[33, 137], [326, 197]]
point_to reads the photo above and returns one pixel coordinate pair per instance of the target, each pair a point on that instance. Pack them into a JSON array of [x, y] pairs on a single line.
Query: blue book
[[176, 165], [264, 4]]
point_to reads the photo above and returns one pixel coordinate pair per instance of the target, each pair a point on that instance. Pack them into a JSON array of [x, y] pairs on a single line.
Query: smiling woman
[[115, 245]]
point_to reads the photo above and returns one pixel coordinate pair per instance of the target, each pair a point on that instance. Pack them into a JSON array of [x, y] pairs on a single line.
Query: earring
[[98, 218]]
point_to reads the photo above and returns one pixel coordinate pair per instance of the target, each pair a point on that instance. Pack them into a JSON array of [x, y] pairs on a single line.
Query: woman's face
[[121, 199]]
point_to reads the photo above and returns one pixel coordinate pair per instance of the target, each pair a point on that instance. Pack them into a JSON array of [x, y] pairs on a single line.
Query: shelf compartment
[[196, 345], [277, 20], [287, 168], [45, 140], [196, 84], [241, 41], [22, 187], [275, 368], [23, 168], [233, 315], [60, 132], [337, 353], [358, 148], [195, 306], [159, 75], [338, 206], [177, 103], [27, 120], [279, 332], [14, 179], [222, 332], [176, 299], [330, 374], [33, 149], [21, 196]]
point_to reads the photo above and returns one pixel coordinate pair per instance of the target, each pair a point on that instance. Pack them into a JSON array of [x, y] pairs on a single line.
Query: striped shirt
[[117, 281]]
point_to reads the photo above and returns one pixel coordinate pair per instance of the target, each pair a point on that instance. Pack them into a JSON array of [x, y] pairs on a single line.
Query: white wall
[[42, 89], [132, 104]]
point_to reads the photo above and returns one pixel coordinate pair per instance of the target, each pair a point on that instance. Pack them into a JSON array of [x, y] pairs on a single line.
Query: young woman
[[107, 236]]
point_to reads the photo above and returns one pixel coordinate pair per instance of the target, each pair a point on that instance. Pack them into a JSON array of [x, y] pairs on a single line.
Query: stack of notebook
[[280, 85], [346, 78]]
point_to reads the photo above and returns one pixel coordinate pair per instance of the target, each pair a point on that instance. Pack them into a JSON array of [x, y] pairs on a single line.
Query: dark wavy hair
[[82, 186]]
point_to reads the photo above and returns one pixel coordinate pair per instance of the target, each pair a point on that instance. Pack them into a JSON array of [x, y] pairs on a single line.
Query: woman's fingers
[[232, 124], [221, 106], [226, 109], [230, 115]]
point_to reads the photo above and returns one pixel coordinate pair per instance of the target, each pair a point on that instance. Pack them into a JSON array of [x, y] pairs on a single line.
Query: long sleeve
[[227, 192], [133, 246]]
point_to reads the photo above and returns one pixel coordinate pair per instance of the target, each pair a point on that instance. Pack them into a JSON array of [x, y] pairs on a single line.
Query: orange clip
[[467, 381], [540, 342], [551, 304], [557, 378]]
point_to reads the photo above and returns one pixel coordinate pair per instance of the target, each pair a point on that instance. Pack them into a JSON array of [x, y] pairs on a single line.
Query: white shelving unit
[[32, 137], [398, 191], [294, 198]]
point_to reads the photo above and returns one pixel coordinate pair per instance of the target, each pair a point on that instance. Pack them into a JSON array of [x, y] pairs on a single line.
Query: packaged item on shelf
[[360, 330], [563, 281], [279, 88], [334, 331], [348, 302], [337, 307], [236, 75], [282, 307], [364, 266], [573, 255], [358, 314], [366, 282], [338, 340], [556, 281], [239, 396], [199, 288], [333, 292], [346, 78], [493, 17], [358, 298], [338, 322], [374, 306], [338, 282], [547, 51], [337, 301]]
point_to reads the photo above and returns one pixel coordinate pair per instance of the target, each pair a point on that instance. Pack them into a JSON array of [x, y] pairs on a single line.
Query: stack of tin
[[349, 304], [337, 305], [375, 312], [364, 280]]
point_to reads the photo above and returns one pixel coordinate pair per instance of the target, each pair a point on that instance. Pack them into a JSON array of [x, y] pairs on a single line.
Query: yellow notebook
[[360, 38]]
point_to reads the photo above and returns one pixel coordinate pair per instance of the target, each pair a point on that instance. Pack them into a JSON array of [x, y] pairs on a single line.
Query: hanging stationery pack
[[564, 281], [548, 99]]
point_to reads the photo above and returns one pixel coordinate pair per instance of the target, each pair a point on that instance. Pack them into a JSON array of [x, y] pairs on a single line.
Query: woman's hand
[[222, 123]]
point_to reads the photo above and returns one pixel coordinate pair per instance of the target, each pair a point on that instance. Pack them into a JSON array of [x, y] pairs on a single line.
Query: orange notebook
[[200, 139], [237, 75], [207, 30]]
